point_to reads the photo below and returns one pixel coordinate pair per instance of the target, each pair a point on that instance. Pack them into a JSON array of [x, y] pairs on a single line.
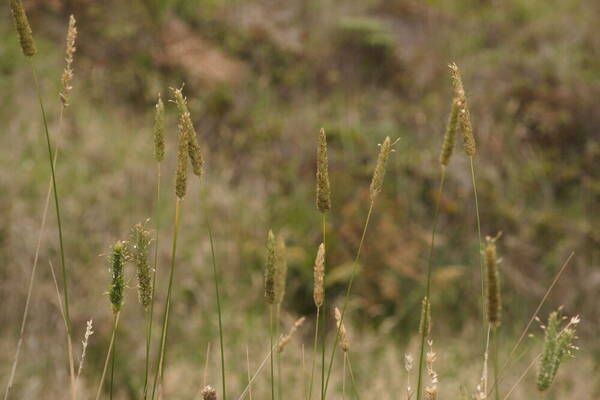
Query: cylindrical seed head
[[209, 393], [450, 134], [464, 116], [159, 130], [23, 28], [319, 277], [285, 339], [67, 75], [494, 300], [280, 270], [270, 268], [140, 243], [425, 322], [182, 156], [117, 263], [379, 173], [344, 342], [185, 120], [323, 190]]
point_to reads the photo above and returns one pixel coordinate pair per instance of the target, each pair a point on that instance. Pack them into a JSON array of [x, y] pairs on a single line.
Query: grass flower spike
[[182, 158], [379, 174], [425, 321], [159, 130], [117, 264], [280, 270], [494, 300], [344, 342], [323, 189], [285, 339], [67, 75], [185, 123], [270, 268], [319, 276], [209, 393], [23, 28], [139, 255], [450, 134], [464, 116]]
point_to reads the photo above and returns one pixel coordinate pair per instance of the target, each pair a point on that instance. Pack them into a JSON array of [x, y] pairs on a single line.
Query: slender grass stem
[[352, 378], [344, 378], [429, 269], [522, 376], [278, 361], [495, 360], [271, 337], [314, 355], [151, 311], [60, 231], [258, 370], [163, 337], [38, 245], [481, 261], [108, 353], [112, 364], [324, 328], [347, 296], [216, 281], [248, 372]]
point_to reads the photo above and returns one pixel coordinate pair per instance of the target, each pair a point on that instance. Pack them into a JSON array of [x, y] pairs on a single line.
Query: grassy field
[[261, 79]]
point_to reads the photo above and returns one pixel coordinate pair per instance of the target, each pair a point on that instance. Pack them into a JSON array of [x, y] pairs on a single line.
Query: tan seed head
[[280, 270], [67, 75], [209, 393], [319, 277], [344, 342], [379, 173], [286, 339], [182, 156]]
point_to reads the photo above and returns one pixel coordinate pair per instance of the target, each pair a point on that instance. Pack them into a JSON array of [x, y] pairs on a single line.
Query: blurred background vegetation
[[261, 78]]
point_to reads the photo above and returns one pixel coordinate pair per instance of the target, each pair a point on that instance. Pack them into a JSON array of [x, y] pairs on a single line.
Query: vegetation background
[[262, 77]]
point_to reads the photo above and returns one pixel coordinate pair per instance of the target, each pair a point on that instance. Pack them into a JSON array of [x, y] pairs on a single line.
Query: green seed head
[[270, 268], [140, 241], [464, 116], [185, 122], [117, 263], [323, 190], [559, 336], [23, 28], [182, 156], [280, 270], [425, 322], [379, 173], [494, 300], [159, 130], [450, 134]]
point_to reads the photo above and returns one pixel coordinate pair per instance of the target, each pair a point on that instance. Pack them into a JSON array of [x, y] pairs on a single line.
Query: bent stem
[[347, 296], [108, 353], [216, 281], [429, 268], [60, 231], [151, 312], [163, 337]]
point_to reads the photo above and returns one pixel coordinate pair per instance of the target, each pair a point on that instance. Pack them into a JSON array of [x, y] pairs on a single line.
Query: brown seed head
[[209, 393], [319, 277], [67, 75], [23, 28], [323, 189], [450, 134], [379, 173], [344, 342], [494, 300], [464, 116], [285, 339], [270, 269], [159, 130]]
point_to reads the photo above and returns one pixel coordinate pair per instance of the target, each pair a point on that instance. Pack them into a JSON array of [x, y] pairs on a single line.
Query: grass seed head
[[159, 130], [140, 243], [323, 189], [67, 75], [185, 122], [319, 277], [209, 393], [344, 342], [117, 264], [270, 268], [286, 339], [494, 300], [464, 116], [280, 270], [23, 28], [425, 322], [379, 173], [182, 158], [559, 336], [450, 134]]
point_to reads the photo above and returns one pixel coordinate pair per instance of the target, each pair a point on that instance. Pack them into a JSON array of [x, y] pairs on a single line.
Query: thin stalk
[[151, 312], [147, 363], [495, 360], [314, 355], [324, 329], [522, 376], [248, 372], [537, 310], [347, 296], [481, 261], [216, 280], [429, 268], [278, 361], [33, 268], [344, 378], [60, 231], [258, 370], [108, 353], [112, 365], [163, 337], [352, 379], [304, 377], [271, 336]]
